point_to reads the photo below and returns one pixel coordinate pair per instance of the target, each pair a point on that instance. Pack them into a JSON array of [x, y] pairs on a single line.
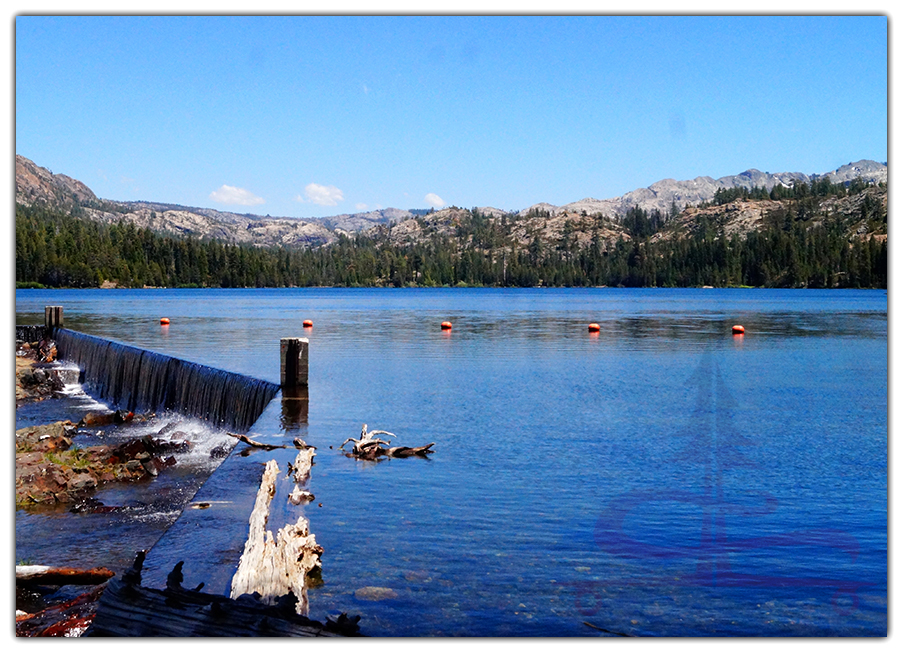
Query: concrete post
[[294, 363], [53, 317]]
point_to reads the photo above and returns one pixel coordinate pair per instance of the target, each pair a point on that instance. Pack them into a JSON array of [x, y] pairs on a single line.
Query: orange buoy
[[737, 329], [446, 325], [163, 321], [307, 323], [594, 327]]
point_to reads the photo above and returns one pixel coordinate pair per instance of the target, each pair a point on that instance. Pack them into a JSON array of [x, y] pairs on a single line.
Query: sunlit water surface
[[659, 477]]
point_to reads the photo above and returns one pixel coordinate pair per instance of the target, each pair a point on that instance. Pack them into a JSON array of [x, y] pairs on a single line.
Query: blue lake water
[[659, 477]]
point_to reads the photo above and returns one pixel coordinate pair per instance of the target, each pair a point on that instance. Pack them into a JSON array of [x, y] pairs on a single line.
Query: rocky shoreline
[[52, 470]]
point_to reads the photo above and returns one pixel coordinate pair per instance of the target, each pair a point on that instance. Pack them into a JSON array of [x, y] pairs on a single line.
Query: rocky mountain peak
[[38, 185]]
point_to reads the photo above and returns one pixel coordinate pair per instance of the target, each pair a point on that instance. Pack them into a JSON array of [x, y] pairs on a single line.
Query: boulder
[[81, 483], [50, 437], [375, 593]]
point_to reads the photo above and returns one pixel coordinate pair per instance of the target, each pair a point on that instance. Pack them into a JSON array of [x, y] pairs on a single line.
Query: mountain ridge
[[38, 185], [661, 194]]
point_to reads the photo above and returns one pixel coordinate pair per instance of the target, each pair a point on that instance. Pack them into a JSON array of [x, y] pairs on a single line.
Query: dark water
[[660, 477]]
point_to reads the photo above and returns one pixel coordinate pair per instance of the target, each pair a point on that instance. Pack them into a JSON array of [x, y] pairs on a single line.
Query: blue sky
[[315, 116]]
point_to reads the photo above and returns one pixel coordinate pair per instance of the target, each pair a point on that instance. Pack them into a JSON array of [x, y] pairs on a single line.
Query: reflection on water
[[659, 477]]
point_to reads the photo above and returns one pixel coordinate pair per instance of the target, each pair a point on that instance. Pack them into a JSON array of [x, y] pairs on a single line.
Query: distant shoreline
[[39, 287]]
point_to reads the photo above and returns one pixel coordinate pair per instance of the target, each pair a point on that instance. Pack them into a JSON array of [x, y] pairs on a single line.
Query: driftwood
[[256, 444], [127, 609], [368, 447], [367, 440], [302, 465], [403, 451], [300, 471], [50, 576], [272, 567], [299, 495], [69, 618], [298, 442]]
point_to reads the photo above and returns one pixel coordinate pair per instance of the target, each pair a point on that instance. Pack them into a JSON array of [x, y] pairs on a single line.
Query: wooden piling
[[294, 364], [53, 317]]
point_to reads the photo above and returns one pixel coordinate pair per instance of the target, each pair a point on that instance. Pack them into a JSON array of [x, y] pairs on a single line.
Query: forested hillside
[[822, 235]]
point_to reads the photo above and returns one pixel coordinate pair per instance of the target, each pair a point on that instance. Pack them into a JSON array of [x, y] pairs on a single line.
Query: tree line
[[800, 246]]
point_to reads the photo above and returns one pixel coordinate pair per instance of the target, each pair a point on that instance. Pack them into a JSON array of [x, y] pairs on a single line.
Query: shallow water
[[132, 516], [660, 477]]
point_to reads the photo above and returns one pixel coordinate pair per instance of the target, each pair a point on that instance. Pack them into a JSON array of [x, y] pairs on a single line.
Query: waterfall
[[140, 380]]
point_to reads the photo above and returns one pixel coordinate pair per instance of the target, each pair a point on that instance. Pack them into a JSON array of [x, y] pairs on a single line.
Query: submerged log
[[403, 451], [272, 567]]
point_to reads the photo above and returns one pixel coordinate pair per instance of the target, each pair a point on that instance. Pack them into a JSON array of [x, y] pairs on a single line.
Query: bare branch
[[256, 444]]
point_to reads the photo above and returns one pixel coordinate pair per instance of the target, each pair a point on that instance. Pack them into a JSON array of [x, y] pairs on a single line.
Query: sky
[[308, 116]]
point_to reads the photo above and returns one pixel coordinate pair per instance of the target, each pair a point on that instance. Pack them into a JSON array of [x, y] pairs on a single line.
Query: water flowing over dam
[[139, 380]]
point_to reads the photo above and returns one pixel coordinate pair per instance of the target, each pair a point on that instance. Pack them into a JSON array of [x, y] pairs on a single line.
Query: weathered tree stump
[[299, 496], [272, 567], [303, 464]]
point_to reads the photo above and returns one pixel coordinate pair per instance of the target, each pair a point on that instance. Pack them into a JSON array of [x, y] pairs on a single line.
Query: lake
[[659, 477]]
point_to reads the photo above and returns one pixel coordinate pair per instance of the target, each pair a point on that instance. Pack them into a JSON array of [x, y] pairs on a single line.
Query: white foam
[[203, 438], [86, 402]]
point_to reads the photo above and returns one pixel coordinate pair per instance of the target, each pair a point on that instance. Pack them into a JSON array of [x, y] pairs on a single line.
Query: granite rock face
[[662, 194], [35, 184], [38, 185]]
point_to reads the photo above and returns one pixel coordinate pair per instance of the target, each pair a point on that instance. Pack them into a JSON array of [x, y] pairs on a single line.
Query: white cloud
[[322, 195], [361, 206], [232, 195], [434, 200]]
